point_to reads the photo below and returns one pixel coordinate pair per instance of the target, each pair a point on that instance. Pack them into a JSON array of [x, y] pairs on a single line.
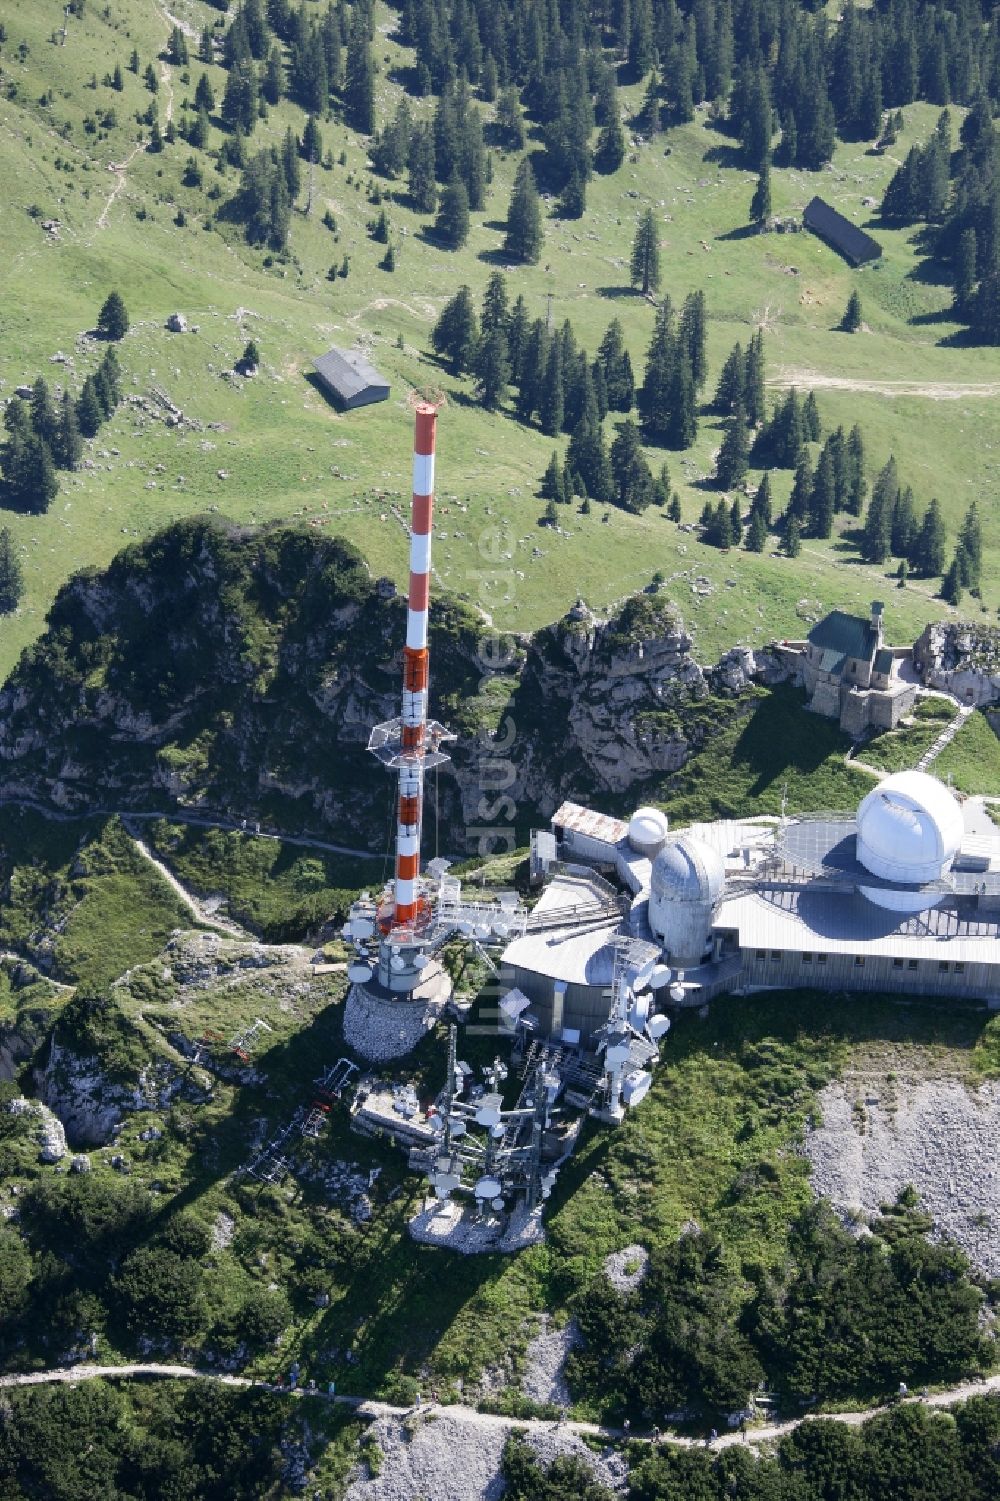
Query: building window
[[911, 963], [897, 964], [959, 967], [859, 961], [762, 953], [943, 965], [775, 955], [807, 958], [820, 958]]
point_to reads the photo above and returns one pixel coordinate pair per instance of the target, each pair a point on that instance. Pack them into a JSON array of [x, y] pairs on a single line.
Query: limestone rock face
[[228, 670], [961, 658]]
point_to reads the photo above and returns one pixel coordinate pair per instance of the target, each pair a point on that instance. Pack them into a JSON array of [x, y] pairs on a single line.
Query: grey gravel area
[[379, 1030], [455, 1227], [937, 1134], [626, 1268], [544, 1378], [451, 1458]]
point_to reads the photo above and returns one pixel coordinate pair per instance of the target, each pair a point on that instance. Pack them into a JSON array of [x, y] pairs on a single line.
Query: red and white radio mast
[[411, 744]]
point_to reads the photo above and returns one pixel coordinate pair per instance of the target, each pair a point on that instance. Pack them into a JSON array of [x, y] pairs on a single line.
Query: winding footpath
[[367, 1407]]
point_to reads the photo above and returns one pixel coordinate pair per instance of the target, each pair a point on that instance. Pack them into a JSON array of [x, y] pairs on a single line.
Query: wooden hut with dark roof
[[349, 379], [839, 233]]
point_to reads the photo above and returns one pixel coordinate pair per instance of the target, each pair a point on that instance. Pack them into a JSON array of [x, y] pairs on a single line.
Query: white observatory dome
[[909, 830], [647, 831], [686, 870], [687, 881]]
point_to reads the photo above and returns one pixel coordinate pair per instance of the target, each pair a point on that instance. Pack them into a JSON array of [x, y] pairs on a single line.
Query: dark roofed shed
[[851, 242], [350, 379]]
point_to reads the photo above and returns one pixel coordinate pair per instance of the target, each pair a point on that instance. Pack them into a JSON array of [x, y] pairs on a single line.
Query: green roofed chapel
[[851, 675]]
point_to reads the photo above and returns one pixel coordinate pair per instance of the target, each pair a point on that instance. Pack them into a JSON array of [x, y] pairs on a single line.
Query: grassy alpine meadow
[[272, 447]]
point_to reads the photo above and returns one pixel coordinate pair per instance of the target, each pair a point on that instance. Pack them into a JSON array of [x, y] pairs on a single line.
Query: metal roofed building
[[902, 896], [349, 378], [839, 233]]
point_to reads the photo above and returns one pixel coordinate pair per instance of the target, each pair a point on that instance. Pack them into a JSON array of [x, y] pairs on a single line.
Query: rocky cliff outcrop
[[241, 671], [961, 658]]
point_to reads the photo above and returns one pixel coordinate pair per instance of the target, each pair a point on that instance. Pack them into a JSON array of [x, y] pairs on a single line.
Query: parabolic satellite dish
[[358, 974], [657, 1027], [489, 1188], [662, 975], [362, 927], [642, 976]]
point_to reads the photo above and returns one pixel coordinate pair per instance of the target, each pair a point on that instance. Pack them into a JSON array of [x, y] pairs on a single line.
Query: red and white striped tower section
[[412, 743]]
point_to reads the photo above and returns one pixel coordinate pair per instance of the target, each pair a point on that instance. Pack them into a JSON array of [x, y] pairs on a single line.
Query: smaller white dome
[[647, 831], [686, 870], [909, 828]]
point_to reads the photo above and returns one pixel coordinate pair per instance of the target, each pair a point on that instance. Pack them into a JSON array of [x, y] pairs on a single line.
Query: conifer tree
[[633, 479], [822, 502], [89, 411], [929, 549], [359, 88], [692, 330], [455, 335], [645, 262], [813, 428], [11, 575], [753, 380], [970, 545], [655, 394], [674, 508], [951, 584], [44, 419], [731, 390], [272, 84], [682, 428], [756, 533], [856, 471], [736, 522], [793, 538], [452, 215], [420, 166], [610, 150], [523, 241], [903, 531], [517, 337], [732, 462], [762, 499], [552, 396], [553, 479], [851, 321], [760, 203], [68, 447], [492, 366], [876, 537], [204, 98], [800, 500], [112, 320]]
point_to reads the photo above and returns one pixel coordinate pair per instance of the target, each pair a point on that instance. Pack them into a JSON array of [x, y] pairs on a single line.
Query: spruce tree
[[674, 508], [760, 203], [971, 542], [89, 411], [682, 428], [359, 89], [732, 462], [753, 396], [523, 241], [455, 335], [903, 532], [610, 150], [762, 499], [633, 479], [68, 447], [736, 522], [756, 534], [655, 395], [492, 367], [553, 479], [951, 585], [112, 320], [856, 471], [822, 502], [420, 166], [851, 321], [793, 538], [810, 419], [692, 329], [204, 98], [645, 262], [552, 396], [11, 575], [44, 419], [452, 223], [731, 390], [800, 500], [929, 549]]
